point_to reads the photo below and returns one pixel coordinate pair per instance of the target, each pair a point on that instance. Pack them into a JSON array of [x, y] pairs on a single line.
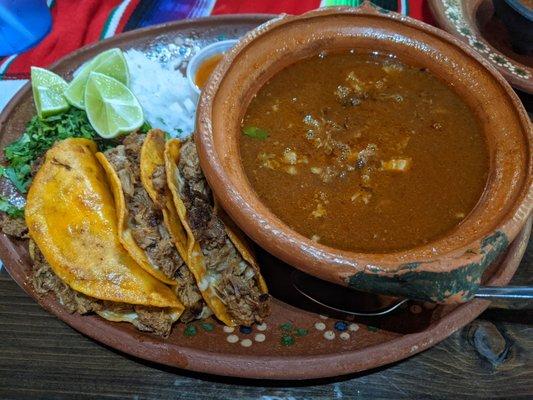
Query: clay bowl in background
[[446, 270], [476, 24]]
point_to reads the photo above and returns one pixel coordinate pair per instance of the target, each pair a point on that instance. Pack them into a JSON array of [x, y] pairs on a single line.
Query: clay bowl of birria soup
[[370, 150]]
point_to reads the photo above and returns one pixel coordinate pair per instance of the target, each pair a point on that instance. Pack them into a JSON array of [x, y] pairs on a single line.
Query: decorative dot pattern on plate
[[343, 330], [320, 326], [232, 338], [249, 330], [289, 333], [329, 335], [207, 326], [344, 335], [287, 340], [190, 330], [261, 327], [340, 326], [301, 332], [245, 329]]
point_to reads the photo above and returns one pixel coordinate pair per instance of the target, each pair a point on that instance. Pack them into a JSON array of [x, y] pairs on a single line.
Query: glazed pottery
[[448, 269], [474, 22]]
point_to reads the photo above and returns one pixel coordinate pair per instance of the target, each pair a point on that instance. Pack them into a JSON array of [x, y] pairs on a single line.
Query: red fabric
[[419, 9], [266, 7], [66, 36], [80, 22]]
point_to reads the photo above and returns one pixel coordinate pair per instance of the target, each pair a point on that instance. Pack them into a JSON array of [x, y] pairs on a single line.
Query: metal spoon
[[315, 289]]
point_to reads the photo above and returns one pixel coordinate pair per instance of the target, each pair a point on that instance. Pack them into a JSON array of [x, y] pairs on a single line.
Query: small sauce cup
[[204, 62]]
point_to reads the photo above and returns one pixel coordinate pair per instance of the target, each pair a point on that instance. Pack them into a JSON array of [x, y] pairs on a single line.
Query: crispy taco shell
[[152, 157], [126, 235], [196, 258], [71, 217], [153, 177]]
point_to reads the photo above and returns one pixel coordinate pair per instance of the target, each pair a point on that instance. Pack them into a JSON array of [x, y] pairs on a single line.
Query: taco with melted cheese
[[225, 269], [72, 223], [148, 224]]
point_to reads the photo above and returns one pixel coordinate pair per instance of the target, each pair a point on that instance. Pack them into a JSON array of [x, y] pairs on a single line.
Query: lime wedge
[[48, 90], [111, 63], [111, 107]]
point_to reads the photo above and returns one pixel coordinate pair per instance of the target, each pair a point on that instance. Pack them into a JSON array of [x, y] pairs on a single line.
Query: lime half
[[111, 107], [111, 63], [48, 90]]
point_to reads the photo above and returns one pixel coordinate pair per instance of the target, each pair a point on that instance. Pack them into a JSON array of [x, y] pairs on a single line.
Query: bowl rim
[[347, 262], [439, 10]]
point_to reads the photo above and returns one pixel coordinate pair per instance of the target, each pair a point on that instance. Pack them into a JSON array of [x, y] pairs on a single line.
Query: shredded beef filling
[[44, 280], [15, 227], [159, 180], [237, 284], [153, 319], [147, 225], [145, 219]]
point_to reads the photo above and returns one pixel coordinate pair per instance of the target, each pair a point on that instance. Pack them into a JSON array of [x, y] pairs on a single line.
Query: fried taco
[[225, 269], [149, 226], [72, 222]]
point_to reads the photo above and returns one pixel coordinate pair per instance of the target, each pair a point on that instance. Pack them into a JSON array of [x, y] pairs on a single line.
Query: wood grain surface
[[42, 358]]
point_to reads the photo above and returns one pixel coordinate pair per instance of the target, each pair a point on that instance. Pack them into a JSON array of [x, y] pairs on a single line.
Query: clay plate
[[473, 22], [296, 342]]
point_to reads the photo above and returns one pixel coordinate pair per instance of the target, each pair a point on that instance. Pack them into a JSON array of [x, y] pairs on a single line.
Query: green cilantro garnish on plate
[[39, 136], [10, 209], [17, 176]]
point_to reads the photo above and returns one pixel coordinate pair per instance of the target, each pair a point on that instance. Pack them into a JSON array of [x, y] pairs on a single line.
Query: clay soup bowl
[[448, 269]]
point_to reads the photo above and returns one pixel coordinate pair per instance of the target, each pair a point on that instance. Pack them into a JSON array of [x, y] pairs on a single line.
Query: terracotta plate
[[474, 23], [296, 342]]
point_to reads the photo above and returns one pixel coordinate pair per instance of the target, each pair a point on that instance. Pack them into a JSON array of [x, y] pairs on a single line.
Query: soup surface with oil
[[361, 152]]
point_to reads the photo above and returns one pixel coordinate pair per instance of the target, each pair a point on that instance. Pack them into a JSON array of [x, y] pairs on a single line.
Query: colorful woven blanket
[[77, 23]]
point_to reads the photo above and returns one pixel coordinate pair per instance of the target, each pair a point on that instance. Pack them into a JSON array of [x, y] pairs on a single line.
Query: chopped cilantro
[[10, 209], [39, 136], [255, 132], [287, 326], [17, 176]]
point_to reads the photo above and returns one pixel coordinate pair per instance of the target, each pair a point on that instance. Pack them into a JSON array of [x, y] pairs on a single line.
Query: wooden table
[[42, 358]]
